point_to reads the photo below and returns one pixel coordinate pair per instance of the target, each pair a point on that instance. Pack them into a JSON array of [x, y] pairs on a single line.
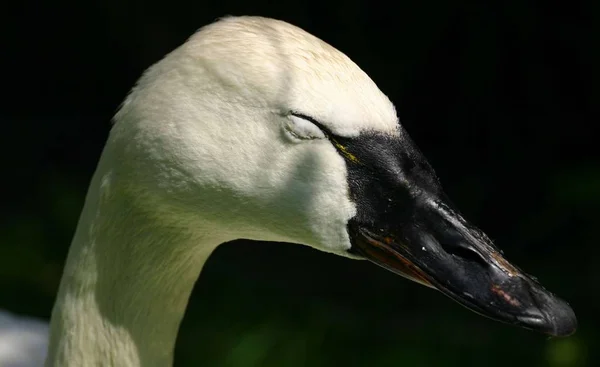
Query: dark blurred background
[[501, 96]]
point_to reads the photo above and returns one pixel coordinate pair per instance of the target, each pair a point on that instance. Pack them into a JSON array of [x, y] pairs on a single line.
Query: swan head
[[256, 129]]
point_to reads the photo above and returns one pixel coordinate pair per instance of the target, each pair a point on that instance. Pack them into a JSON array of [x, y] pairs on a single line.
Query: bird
[[256, 129]]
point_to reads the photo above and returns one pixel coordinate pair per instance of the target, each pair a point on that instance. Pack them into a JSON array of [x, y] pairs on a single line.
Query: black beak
[[444, 253], [405, 224]]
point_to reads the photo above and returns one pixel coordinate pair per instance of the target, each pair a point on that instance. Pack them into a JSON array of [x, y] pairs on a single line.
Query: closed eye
[[335, 140], [313, 121], [303, 127]]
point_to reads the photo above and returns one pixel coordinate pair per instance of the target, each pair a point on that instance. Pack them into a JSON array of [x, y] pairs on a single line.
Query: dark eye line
[[325, 130], [334, 139]]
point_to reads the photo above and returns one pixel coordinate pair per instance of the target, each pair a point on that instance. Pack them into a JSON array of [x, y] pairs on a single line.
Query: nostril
[[464, 253]]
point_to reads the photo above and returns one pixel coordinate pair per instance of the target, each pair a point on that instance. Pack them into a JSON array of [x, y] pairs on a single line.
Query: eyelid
[[332, 137], [312, 120]]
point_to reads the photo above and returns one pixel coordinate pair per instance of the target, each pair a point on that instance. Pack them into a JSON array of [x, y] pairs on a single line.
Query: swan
[[255, 129]]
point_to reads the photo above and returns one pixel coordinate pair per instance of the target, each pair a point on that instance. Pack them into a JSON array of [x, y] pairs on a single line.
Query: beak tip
[[562, 320], [557, 317]]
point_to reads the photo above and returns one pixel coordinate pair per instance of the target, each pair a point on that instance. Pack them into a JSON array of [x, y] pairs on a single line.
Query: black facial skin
[[406, 224]]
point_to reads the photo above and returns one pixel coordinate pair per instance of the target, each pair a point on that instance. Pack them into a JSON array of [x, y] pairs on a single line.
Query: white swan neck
[[126, 283]]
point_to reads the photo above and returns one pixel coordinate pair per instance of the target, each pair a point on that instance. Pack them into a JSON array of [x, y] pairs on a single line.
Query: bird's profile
[[255, 129]]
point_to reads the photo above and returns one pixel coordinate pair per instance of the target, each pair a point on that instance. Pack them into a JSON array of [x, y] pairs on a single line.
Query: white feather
[[204, 150]]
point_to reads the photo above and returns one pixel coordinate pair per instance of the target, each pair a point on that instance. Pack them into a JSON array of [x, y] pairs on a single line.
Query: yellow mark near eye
[[346, 153]]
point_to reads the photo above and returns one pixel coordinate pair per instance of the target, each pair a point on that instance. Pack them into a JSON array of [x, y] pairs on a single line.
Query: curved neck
[[126, 283]]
